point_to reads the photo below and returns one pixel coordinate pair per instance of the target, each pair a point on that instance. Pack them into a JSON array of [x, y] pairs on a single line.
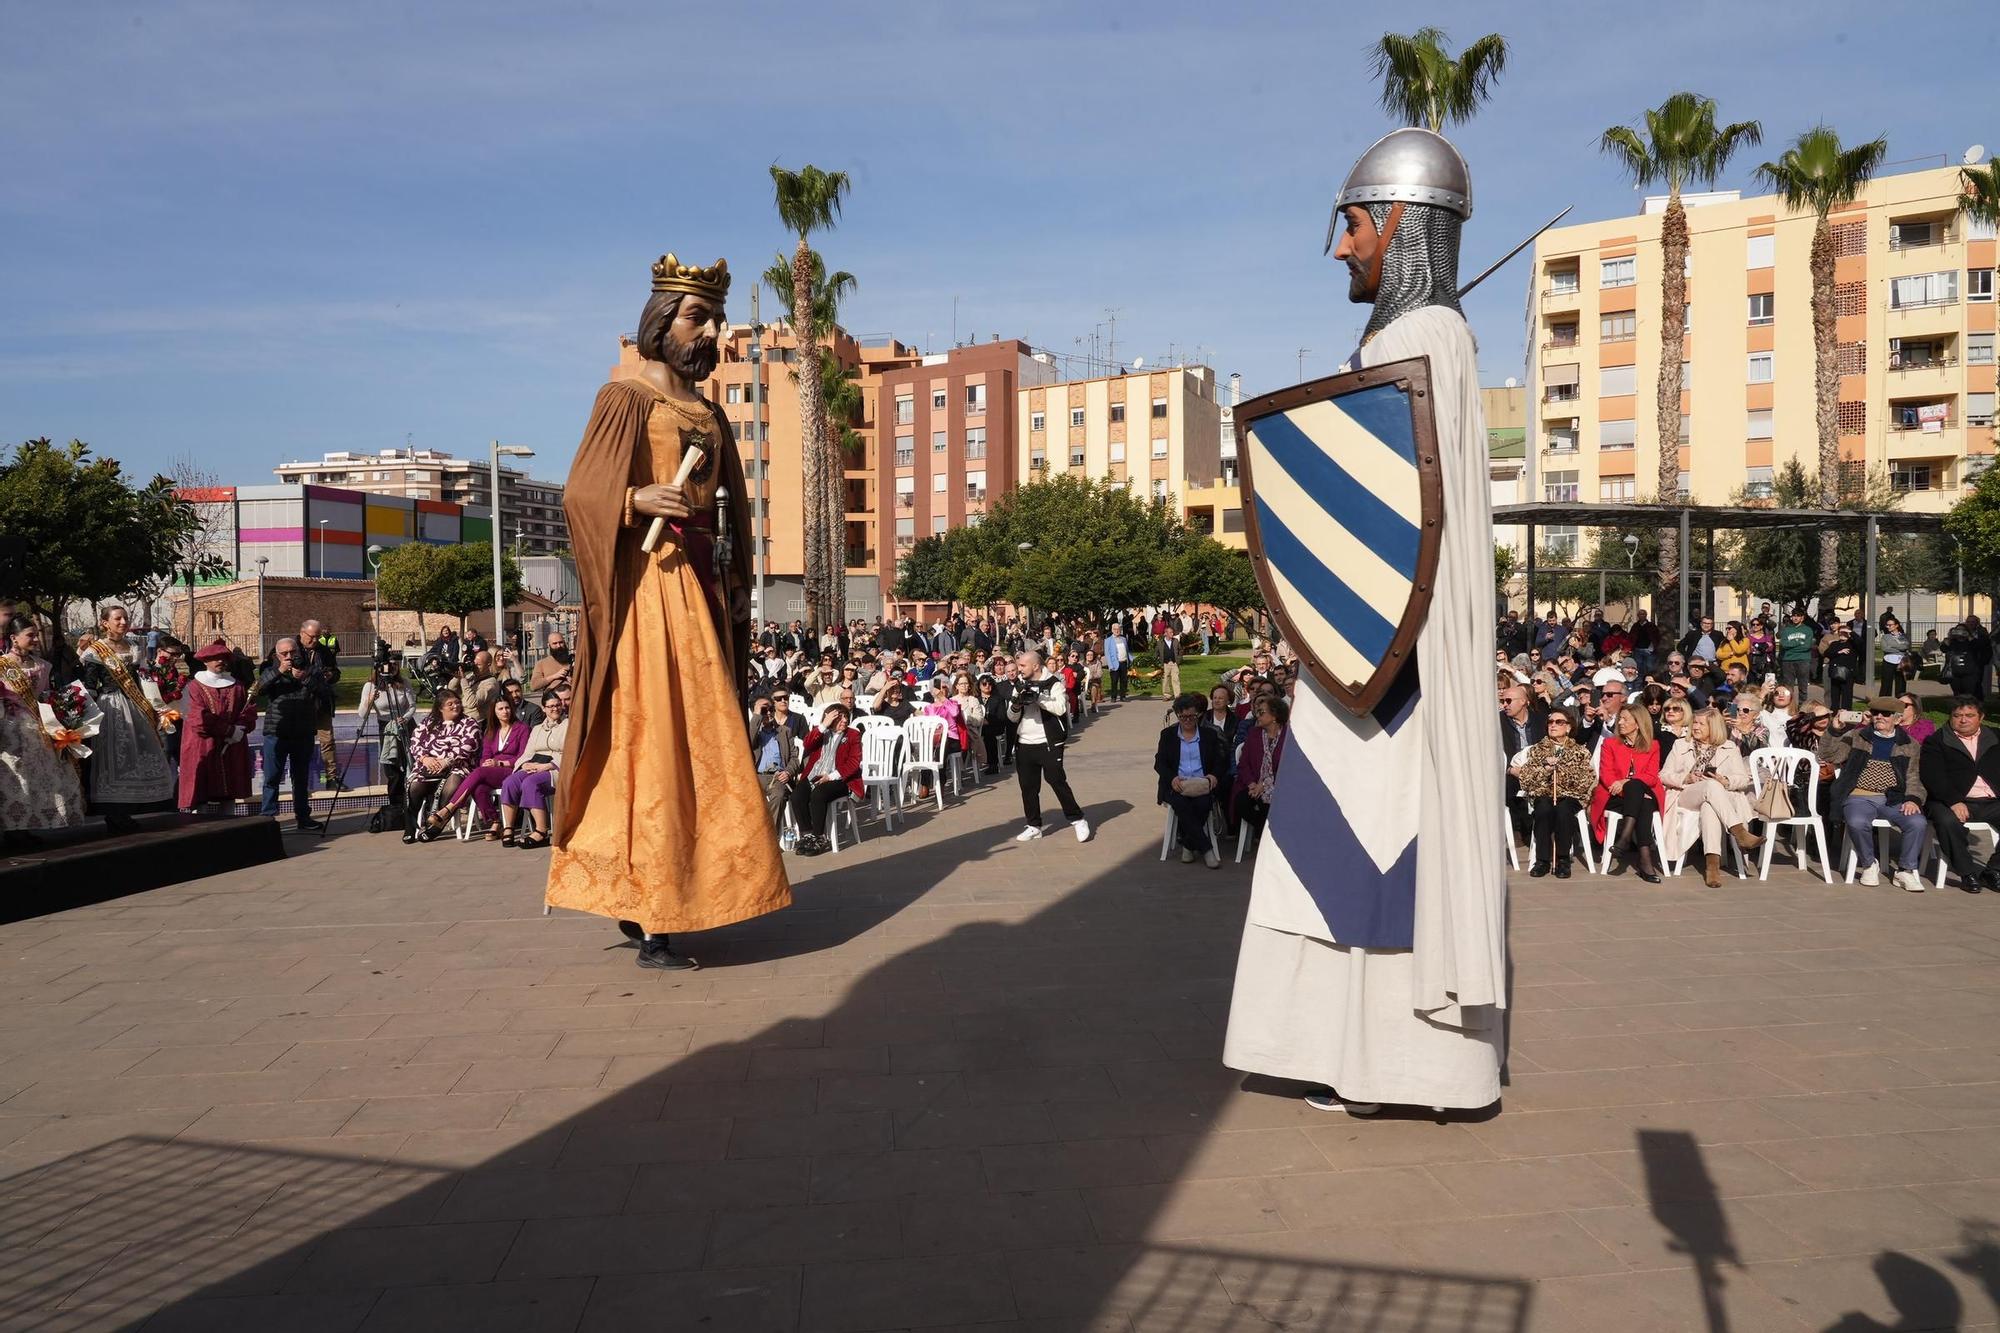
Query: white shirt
[[1049, 696]]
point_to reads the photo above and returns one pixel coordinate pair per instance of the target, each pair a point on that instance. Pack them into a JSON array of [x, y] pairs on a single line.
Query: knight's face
[[1359, 243]]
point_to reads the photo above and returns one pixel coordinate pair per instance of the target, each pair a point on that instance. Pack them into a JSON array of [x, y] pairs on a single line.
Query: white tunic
[[1426, 1025]]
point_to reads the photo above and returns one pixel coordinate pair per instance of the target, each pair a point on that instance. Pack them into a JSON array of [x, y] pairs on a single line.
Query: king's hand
[[659, 501]]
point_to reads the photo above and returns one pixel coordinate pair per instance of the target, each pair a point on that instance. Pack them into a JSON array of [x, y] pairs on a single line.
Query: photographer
[[1039, 706], [320, 654], [294, 695]]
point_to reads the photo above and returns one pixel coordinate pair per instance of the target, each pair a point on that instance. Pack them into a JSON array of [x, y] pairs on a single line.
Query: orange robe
[[660, 818]]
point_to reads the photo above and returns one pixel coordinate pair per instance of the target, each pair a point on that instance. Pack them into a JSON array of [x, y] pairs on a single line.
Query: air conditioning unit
[[1576, 423]]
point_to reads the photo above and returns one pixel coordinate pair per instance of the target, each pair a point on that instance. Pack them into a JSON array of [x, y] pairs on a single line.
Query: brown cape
[[613, 456]]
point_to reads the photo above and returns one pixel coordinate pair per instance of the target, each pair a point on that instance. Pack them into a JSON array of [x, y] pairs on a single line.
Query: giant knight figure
[[1374, 962]]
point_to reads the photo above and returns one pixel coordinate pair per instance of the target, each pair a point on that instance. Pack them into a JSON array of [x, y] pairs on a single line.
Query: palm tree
[[825, 480], [1980, 200], [1819, 174], [1679, 145], [843, 405], [808, 201], [1423, 84]]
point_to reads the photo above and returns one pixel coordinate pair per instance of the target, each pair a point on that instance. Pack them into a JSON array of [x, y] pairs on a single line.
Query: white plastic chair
[[865, 702], [1513, 848], [1215, 831], [881, 775], [1944, 870], [844, 808], [800, 703], [1778, 763], [813, 713], [1612, 819], [925, 737], [1672, 865]]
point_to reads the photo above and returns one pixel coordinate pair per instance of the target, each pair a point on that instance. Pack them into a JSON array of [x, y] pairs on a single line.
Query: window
[[1685, 428], [1616, 434], [1683, 483], [906, 531], [1687, 376], [937, 525], [1979, 409], [1759, 427], [906, 409], [1560, 541], [1563, 335], [1562, 281], [1562, 442], [1974, 467], [1762, 307], [1909, 476], [1038, 421], [1761, 368], [975, 399], [1159, 409], [975, 485], [1076, 455], [938, 397], [733, 394], [1559, 487], [1978, 349], [1616, 490], [1076, 418], [1617, 328], [1760, 252], [906, 450], [1924, 289], [1979, 285], [1118, 451], [1159, 488], [1904, 235], [1117, 412], [938, 439], [1038, 459], [975, 441], [1757, 483], [939, 482], [906, 492], [1617, 272], [1160, 447], [1616, 381]]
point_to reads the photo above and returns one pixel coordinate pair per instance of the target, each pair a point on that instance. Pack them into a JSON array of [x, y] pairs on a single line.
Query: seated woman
[[1706, 773], [829, 769], [502, 742], [1628, 781], [957, 740], [1556, 778], [1257, 767], [534, 776], [1189, 763], [891, 704], [446, 745]]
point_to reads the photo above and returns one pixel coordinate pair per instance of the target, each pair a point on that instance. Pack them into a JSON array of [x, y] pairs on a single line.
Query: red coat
[[211, 768], [1615, 762], [846, 760]]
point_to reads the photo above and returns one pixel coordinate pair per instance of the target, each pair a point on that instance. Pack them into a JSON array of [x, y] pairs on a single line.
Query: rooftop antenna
[[1974, 154]]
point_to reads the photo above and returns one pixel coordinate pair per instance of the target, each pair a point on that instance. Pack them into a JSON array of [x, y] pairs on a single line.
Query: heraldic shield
[[1344, 509]]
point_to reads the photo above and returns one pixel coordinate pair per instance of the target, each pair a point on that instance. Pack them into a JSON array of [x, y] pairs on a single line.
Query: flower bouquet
[[69, 718]]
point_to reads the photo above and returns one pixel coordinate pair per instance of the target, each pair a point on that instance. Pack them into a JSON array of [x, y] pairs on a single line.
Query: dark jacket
[[1948, 772], [1167, 758], [1538, 727], [292, 703], [1855, 749]]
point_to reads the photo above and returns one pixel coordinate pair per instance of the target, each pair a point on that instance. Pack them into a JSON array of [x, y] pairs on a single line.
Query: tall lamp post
[[322, 546], [262, 561], [499, 611], [757, 463], [375, 571]]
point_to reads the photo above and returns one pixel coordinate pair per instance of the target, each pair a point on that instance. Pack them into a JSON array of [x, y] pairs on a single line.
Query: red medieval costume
[[216, 712]]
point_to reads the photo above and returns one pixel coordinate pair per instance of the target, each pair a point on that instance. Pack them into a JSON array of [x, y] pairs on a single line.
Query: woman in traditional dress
[[129, 774], [38, 786], [218, 714]]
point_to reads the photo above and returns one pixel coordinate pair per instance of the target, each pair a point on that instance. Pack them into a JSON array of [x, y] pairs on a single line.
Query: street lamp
[[322, 546], [375, 568], [262, 561], [499, 611]]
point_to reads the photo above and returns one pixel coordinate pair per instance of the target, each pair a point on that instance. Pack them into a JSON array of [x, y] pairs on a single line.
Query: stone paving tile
[[969, 1084]]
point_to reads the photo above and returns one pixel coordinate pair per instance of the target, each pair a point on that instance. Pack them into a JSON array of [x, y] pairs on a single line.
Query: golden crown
[[670, 275]]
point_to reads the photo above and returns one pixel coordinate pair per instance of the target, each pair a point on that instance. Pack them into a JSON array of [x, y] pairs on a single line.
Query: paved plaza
[[970, 1084]]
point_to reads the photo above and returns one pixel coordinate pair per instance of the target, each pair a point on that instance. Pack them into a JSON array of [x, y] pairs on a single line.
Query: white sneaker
[[1028, 834], [1908, 882], [1187, 857], [1082, 827], [1871, 876], [1327, 1101], [1211, 858]]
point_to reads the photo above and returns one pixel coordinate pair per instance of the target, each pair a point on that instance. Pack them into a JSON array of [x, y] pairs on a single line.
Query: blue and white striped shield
[[1344, 508]]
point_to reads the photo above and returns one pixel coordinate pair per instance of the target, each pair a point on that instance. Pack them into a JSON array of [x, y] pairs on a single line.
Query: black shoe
[[1979, 880], [655, 955], [632, 931], [409, 835], [1562, 867], [335, 784], [310, 825], [1538, 870]]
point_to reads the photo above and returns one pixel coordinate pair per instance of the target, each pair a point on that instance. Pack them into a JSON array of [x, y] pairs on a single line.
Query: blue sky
[[250, 231]]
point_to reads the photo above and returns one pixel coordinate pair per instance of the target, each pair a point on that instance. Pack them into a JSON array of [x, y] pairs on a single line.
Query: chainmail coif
[[1421, 267]]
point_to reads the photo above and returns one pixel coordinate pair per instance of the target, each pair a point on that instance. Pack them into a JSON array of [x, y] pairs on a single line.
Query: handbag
[[1774, 803]]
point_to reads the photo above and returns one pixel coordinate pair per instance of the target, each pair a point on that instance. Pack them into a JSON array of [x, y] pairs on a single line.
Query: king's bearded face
[[693, 344], [1359, 242]]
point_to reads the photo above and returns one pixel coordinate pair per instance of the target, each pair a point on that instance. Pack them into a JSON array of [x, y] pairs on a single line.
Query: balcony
[[1561, 298], [1561, 401], [860, 557], [1558, 445], [1937, 378], [1905, 236], [904, 500], [1563, 343], [1904, 442], [906, 458], [975, 495]]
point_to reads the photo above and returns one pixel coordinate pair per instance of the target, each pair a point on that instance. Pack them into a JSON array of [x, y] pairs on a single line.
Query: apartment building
[[1505, 408], [780, 489], [1914, 325], [951, 420], [1155, 431], [530, 510]]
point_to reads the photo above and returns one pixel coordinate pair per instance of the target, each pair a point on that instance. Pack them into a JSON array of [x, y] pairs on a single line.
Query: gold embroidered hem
[[666, 821]]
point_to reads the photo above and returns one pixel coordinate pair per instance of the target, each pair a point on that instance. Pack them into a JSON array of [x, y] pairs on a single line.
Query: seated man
[[1960, 767], [1880, 778], [1190, 764], [774, 749]]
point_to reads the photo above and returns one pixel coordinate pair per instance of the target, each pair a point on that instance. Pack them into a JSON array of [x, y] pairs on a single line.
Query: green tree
[[1818, 174], [1424, 84], [1208, 573], [1504, 562], [808, 201], [1974, 525], [75, 528], [922, 575], [823, 498], [408, 577], [1979, 198], [450, 580], [1785, 564], [1679, 144]]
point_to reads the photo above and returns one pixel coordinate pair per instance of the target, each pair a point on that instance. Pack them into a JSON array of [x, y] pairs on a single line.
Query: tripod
[[340, 787]]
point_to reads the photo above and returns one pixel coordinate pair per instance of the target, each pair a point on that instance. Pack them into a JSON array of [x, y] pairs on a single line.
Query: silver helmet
[[1409, 165]]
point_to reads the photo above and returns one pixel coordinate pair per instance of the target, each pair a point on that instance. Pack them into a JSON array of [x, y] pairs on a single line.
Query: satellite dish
[[1138, 361], [1974, 153], [1513, 383]]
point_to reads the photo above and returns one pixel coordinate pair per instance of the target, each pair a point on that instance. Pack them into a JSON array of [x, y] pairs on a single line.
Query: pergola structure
[[1712, 519]]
